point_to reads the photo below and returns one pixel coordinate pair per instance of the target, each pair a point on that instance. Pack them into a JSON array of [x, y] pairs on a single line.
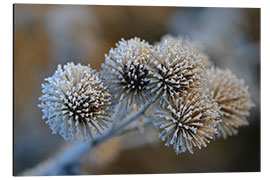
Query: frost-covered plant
[[188, 121], [198, 48], [169, 84], [126, 71], [177, 69], [75, 102], [232, 97]]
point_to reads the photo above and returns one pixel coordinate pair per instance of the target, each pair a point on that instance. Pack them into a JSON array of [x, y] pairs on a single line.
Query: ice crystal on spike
[[126, 71], [177, 68], [188, 121], [75, 102], [232, 97]]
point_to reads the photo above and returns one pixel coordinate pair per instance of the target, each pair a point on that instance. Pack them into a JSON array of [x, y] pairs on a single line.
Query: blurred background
[[48, 35]]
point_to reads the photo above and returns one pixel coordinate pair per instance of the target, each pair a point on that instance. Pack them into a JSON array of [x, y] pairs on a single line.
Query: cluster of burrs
[[193, 101]]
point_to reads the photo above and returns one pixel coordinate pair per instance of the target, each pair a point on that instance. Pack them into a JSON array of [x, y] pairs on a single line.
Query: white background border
[[6, 71]]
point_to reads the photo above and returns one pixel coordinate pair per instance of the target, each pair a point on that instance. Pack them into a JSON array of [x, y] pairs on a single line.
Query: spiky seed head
[[232, 97], [75, 102], [126, 71], [176, 70], [197, 47], [188, 121]]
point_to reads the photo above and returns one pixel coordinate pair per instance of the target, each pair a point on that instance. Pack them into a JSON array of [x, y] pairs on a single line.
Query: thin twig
[[118, 114], [137, 128]]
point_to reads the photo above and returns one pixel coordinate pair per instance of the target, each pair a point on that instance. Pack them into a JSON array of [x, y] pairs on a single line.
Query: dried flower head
[[197, 47], [188, 121], [75, 102], [232, 97], [177, 69], [126, 71]]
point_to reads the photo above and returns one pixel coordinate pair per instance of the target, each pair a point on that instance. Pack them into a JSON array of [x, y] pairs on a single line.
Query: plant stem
[[57, 164], [136, 128]]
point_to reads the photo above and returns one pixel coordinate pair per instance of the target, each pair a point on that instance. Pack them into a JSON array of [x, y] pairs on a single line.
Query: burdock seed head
[[75, 102], [188, 121], [232, 96], [197, 47], [176, 69], [126, 71]]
